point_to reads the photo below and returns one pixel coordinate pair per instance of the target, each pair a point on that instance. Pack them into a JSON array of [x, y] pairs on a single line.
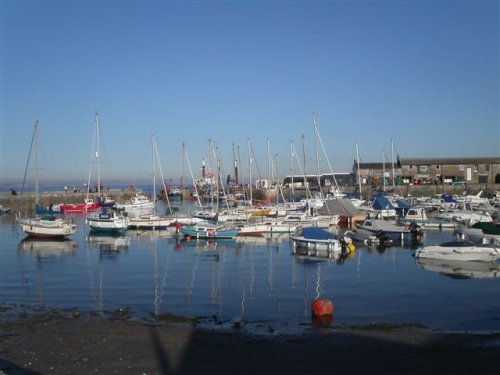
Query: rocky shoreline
[[56, 343]]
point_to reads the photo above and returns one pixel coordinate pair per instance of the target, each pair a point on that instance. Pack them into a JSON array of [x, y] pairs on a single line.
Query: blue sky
[[422, 73]]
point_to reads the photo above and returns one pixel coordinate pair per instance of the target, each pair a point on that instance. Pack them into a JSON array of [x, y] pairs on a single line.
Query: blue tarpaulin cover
[[382, 203], [448, 198], [403, 203], [318, 234]]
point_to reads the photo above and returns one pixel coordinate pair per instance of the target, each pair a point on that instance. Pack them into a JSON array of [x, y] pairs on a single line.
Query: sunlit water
[[257, 280]]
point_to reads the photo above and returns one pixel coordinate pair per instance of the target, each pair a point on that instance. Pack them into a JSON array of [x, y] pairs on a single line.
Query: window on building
[[423, 168], [487, 167], [461, 167]]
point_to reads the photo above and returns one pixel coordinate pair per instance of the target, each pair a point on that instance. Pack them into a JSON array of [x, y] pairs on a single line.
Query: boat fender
[[351, 247]]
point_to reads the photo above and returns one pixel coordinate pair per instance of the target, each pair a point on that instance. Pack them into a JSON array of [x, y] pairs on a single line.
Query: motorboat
[[368, 237], [319, 239], [382, 227], [464, 214], [418, 216], [459, 250]]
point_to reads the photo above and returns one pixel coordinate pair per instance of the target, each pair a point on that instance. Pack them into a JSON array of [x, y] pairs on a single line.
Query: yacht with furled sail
[[152, 221], [46, 226], [107, 220]]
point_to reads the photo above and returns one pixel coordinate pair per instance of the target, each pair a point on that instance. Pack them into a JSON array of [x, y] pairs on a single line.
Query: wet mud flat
[[54, 342]]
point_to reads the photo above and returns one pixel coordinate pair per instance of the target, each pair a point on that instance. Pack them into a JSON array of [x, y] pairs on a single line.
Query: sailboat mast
[[292, 155], [269, 164], [154, 171], [316, 151], [383, 168], [37, 167], [304, 159], [358, 172], [183, 169], [392, 160], [235, 167], [218, 178], [250, 171], [97, 154]]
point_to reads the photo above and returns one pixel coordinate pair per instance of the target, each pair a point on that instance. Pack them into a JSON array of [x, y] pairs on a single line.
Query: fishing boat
[[88, 205], [459, 250], [319, 239], [208, 231]]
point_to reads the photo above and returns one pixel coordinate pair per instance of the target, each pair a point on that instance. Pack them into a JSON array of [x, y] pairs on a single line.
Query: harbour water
[[257, 280]]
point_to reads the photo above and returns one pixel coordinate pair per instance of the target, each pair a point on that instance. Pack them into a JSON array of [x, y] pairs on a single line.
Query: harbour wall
[[25, 203]]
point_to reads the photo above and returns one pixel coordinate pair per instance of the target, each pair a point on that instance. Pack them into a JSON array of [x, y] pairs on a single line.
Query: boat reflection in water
[[107, 243], [460, 269], [48, 248], [207, 244]]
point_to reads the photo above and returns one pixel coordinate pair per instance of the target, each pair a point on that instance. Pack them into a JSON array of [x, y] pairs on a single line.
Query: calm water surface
[[256, 279]]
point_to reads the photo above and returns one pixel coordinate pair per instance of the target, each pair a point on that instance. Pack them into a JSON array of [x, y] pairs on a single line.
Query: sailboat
[[152, 221], [47, 226], [107, 220]]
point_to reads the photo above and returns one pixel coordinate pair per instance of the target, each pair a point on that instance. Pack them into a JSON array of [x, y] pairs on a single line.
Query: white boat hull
[[38, 227], [150, 223]]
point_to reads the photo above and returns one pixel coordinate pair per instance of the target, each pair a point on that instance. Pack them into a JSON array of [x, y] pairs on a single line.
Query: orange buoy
[[321, 307]]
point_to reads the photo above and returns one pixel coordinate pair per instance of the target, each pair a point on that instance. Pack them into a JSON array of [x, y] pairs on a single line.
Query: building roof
[[375, 166], [450, 161], [431, 161]]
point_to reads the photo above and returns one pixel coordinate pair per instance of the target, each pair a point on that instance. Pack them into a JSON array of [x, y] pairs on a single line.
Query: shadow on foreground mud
[[31, 345]]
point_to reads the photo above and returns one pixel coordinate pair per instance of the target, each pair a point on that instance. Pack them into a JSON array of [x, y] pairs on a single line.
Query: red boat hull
[[79, 208]]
